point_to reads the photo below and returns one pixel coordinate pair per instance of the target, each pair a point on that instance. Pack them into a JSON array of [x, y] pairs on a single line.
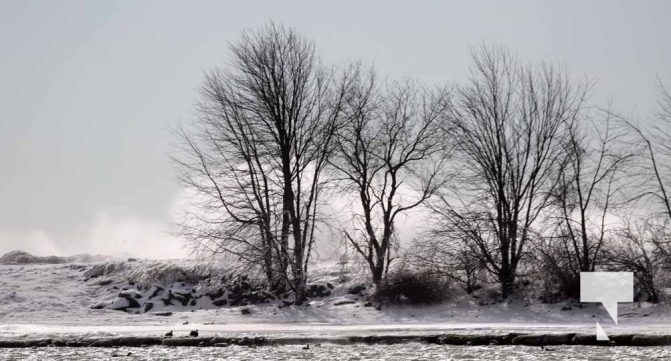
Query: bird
[[168, 334], [306, 347], [193, 333]]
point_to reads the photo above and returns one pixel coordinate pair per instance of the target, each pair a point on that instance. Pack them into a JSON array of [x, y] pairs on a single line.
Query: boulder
[[356, 289], [220, 302], [317, 290], [131, 297], [154, 291]]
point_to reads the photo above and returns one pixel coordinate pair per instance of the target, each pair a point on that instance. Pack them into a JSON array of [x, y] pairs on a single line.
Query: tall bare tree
[[391, 155], [592, 185], [238, 213], [512, 123], [657, 145], [261, 146]]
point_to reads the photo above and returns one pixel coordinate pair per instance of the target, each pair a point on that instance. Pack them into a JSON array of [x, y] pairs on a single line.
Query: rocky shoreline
[[440, 339]]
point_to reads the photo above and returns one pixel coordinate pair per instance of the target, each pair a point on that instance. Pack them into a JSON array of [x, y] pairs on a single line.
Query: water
[[410, 351]]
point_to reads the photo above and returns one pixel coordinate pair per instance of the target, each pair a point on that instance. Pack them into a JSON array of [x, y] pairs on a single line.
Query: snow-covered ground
[[57, 299]]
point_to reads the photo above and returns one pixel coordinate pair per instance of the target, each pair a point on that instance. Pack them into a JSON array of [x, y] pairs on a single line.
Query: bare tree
[[656, 143], [237, 203], [391, 155], [263, 141], [512, 123], [591, 185], [642, 248]]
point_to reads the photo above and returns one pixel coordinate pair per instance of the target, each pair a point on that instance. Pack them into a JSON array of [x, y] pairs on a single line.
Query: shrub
[[410, 287]]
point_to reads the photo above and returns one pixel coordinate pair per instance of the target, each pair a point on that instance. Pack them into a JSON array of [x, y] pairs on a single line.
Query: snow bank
[[21, 257]]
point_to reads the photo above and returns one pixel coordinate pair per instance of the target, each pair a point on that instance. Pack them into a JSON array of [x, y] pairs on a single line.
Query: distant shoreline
[[521, 339]]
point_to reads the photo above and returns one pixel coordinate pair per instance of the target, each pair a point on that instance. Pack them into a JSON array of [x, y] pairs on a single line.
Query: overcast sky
[[89, 90]]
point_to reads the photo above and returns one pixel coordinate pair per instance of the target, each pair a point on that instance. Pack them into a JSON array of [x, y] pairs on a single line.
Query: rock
[[131, 297], [182, 298], [220, 302], [104, 282], [162, 313], [316, 290], [120, 304], [356, 289], [245, 311], [148, 306], [154, 291], [216, 294], [99, 306], [344, 302], [329, 285]]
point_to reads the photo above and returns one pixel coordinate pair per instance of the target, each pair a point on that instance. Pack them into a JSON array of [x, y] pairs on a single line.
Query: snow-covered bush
[[147, 274], [103, 269]]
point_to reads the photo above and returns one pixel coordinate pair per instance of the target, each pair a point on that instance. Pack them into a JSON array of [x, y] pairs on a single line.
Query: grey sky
[[88, 90]]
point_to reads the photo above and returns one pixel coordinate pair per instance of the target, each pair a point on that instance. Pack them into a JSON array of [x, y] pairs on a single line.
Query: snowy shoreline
[[53, 305], [461, 339]]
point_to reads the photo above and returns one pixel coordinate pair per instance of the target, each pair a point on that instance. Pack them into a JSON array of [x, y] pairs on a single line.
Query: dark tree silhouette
[[391, 155], [258, 151], [511, 123]]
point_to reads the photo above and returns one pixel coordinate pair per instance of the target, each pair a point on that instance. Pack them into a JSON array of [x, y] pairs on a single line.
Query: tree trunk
[[378, 273], [507, 279]]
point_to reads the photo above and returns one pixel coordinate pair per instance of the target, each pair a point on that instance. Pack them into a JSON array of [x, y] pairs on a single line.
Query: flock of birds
[[193, 333]]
